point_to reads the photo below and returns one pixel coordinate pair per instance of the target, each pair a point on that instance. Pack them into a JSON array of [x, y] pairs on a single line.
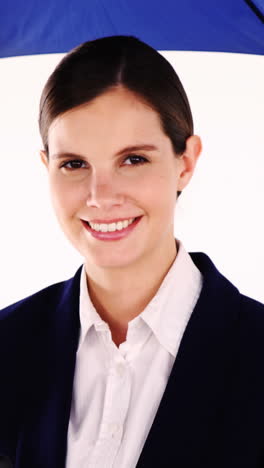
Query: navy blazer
[[212, 411]]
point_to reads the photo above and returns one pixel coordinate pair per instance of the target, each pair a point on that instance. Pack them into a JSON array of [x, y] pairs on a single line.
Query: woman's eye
[[135, 160], [71, 165]]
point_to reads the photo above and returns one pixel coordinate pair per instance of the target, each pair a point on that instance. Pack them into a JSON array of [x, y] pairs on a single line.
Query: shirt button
[[120, 369], [114, 429]]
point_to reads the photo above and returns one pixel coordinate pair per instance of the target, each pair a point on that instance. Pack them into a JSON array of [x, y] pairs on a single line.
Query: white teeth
[[112, 226], [103, 227]]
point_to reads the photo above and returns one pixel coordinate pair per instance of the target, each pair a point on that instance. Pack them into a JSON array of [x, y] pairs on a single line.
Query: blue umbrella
[[39, 27]]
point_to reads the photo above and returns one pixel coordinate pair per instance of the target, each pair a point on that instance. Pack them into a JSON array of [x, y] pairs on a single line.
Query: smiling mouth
[[112, 227]]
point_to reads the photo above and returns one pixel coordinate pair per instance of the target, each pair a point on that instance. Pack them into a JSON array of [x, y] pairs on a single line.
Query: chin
[[110, 263], [112, 259]]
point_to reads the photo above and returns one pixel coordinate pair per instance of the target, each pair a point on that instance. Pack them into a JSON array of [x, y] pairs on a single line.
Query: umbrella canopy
[[38, 27]]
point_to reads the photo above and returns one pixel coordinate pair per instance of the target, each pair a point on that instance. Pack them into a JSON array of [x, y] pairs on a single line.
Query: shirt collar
[[88, 315], [168, 312]]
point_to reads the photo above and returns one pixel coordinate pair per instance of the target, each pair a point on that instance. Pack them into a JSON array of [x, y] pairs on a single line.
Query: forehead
[[115, 117]]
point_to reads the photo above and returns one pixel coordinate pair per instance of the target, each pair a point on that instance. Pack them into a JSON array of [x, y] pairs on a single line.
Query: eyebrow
[[127, 149]]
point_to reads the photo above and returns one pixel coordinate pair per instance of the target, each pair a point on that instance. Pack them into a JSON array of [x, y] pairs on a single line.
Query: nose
[[104, 190]]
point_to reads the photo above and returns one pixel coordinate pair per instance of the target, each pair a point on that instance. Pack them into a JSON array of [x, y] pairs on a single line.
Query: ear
[[44, 158], [188, 160]]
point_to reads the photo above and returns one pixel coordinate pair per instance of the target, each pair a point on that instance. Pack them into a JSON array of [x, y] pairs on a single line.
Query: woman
[[148, 356]]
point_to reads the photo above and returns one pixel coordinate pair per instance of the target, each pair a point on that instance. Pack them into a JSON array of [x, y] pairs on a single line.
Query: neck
[[119, 295]]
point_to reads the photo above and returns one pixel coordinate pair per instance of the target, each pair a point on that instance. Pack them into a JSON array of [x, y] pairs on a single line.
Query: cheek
[[67, 198], [160, 192]]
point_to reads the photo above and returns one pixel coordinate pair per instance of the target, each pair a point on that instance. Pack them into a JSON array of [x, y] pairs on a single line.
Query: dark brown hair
[[96, 66]]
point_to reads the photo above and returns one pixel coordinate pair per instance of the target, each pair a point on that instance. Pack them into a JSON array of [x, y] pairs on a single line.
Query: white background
[[219, 213]]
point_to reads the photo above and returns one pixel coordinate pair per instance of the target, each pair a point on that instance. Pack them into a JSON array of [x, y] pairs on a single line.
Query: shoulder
[[30, 327], [249, 305], [25, 322], [43, 300], [45, 295], [24, 341], [251, 321], [235, 321], [225, 293]]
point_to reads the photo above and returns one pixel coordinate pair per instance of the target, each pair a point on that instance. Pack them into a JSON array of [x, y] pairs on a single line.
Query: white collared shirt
[[117, 390]]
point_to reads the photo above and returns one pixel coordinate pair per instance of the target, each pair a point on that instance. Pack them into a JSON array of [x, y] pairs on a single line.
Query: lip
[[112, 236]]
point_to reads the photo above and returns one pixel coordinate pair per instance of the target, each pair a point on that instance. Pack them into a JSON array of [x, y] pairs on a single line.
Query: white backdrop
[[219, 213]]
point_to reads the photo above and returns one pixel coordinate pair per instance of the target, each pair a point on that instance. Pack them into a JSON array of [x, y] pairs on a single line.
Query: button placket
[[120, 369]]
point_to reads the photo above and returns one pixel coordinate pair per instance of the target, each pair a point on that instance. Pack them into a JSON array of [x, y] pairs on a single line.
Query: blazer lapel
[[193, 402], [43, 440]]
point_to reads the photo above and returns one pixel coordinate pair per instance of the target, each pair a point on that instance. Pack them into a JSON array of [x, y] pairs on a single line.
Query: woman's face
[[110, 160]]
